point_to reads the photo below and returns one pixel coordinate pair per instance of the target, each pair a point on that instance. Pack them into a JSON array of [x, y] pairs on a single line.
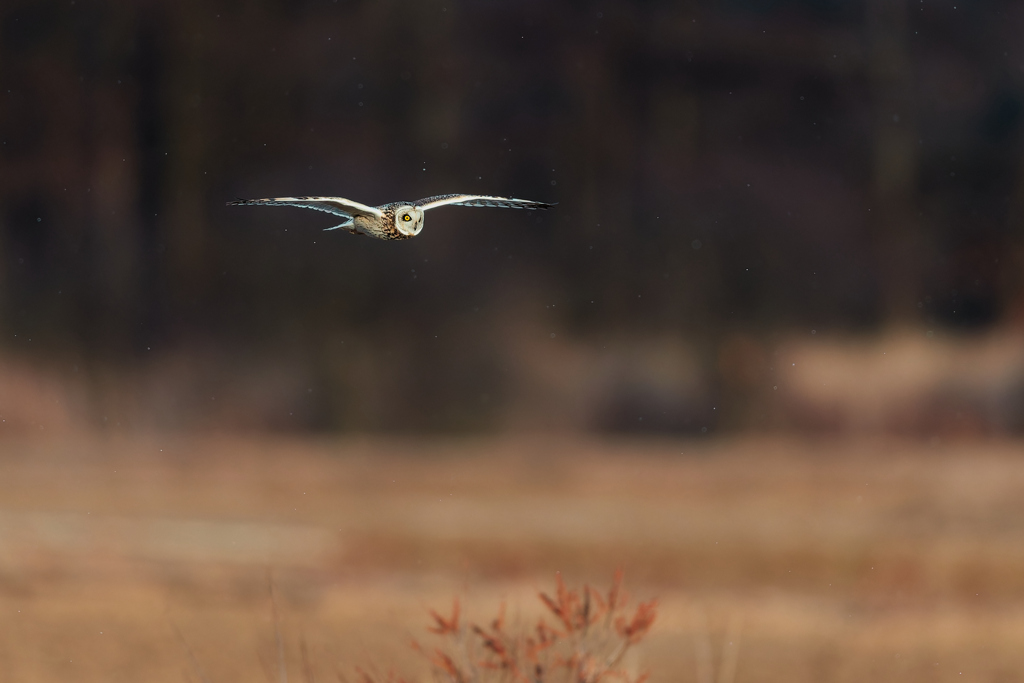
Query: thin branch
[[192, 661], [731, 650], [282, 668]]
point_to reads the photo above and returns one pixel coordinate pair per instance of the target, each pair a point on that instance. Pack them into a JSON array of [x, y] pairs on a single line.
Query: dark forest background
[[729, 175]]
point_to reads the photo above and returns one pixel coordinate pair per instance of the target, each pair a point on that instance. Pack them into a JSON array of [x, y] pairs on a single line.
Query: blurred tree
[[724, 170]]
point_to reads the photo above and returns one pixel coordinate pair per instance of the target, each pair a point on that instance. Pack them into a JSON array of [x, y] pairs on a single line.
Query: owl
[[394, 221]]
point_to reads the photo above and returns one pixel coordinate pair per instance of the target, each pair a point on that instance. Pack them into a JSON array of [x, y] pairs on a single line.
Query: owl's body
[[383, 228], [394, 221]]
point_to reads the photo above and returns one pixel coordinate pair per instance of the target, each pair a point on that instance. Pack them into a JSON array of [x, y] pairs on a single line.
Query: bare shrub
[[582, 639]]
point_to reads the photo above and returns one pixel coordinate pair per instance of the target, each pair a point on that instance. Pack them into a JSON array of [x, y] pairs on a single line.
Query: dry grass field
[[151, 559]]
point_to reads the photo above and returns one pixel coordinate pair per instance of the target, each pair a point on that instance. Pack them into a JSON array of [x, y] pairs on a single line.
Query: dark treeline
[[766, 165]]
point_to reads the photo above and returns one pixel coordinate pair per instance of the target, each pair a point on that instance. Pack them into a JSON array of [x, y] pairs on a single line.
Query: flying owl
[[394, 221]]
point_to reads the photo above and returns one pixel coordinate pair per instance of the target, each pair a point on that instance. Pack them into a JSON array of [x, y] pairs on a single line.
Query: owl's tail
[[347, 224]]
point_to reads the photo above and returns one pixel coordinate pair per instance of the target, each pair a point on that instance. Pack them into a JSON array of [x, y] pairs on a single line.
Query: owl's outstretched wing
[[339, 206], [479, 200]]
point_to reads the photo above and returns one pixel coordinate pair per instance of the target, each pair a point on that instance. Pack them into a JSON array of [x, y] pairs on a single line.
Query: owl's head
[[409, 220]]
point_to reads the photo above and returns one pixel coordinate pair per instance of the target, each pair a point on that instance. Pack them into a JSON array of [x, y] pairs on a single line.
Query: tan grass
[[847, 560]]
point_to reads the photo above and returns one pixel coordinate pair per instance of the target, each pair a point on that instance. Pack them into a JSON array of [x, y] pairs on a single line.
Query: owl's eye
[[407, 218]]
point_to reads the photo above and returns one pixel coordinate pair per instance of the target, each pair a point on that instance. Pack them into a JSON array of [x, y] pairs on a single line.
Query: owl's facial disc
[[409, 220]]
